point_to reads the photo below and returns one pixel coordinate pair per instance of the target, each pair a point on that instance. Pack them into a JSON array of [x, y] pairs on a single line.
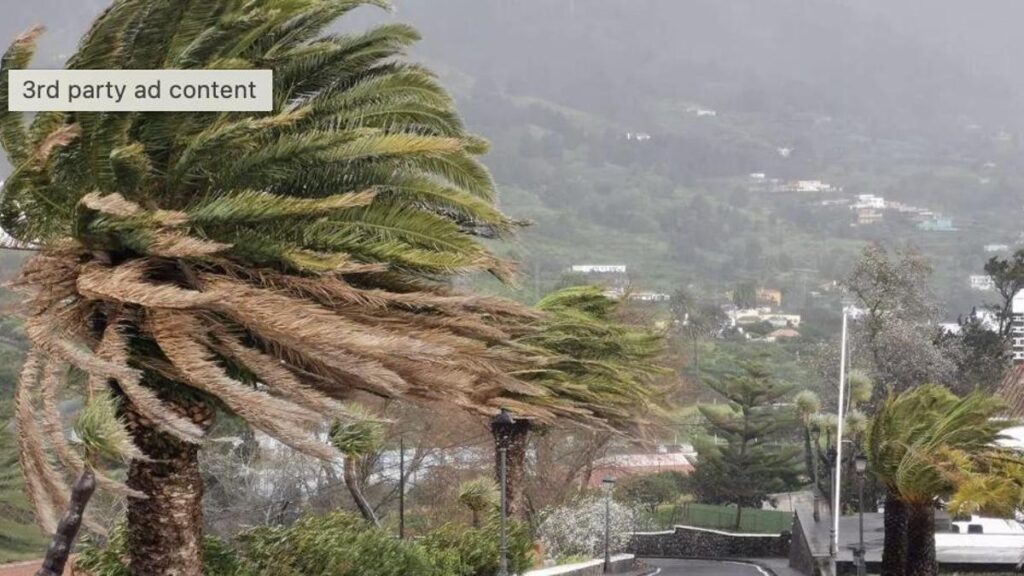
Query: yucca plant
[[268, 265], [479, 495], [927, 446], [356, 438]]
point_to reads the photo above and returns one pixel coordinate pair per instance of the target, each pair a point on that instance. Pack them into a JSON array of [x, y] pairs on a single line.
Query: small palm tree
[[927, 446], [356, 438], [807, 405], [480, 495]]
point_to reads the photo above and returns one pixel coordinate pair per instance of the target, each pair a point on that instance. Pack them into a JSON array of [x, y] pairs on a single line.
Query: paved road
[[704, 568]]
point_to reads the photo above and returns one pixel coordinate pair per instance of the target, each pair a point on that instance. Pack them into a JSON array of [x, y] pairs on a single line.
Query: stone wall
[[801, 558], [691, 542]]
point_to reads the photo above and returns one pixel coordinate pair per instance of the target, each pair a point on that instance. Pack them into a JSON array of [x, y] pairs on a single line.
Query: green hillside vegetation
[[20, 538]]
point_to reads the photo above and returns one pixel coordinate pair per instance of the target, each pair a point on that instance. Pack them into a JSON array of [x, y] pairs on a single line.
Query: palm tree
[[807, 406], [926, 446], [266, 265], [596, 368], [479, 495], [355, 439]]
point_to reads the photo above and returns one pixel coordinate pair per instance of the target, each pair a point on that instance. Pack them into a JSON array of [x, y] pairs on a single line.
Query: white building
[[649, 297], [982, 282], [997, 248], [599, 269], [869, 201]]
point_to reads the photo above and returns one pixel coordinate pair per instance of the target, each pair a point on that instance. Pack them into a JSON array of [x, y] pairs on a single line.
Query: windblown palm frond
[[927, 444], [596, 365], [270, 264]]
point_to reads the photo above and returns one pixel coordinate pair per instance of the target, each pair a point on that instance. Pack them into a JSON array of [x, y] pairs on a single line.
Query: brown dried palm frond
[[179, 338], [126, 284], [277, 377], [53, 427], [114, 348], [45, 487]]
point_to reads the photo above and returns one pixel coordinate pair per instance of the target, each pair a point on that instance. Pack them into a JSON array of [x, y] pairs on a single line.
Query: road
[[704, 568]]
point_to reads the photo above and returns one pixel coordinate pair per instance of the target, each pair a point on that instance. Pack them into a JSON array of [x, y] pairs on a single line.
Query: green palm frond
[[925, 443], [597, 362]]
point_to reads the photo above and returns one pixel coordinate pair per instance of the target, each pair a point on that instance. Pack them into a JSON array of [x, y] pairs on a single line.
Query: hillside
[[857, 94]]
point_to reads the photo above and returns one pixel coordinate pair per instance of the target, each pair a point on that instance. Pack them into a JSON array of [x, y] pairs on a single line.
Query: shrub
[[456, 550], [96, 559], [338, 544], [653, 490], [577, 529]]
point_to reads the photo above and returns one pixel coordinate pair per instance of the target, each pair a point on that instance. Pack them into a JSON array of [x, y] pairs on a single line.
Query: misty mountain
[[902, 71]]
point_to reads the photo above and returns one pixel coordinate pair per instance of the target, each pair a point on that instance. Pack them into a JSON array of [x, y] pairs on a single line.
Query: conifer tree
[[747, 459]]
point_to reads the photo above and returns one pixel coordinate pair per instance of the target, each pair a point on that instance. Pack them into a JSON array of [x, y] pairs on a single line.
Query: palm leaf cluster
[[598, 367], [269, 264], [927, 444]]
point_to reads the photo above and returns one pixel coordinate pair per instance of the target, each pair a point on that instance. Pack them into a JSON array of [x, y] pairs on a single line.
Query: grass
[[20, 539], [722, 517]]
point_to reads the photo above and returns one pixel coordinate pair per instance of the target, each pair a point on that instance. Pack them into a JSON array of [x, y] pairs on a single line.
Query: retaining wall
[[692, 542]]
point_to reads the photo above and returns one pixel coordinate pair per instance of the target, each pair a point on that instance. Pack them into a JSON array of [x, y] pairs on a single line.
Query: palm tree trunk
[[808, 455], [352, 482], [67, 530], [894, 552], [165, 530], [921, 541]]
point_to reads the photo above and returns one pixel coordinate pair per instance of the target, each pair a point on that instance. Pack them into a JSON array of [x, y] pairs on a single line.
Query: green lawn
[[753, 520]]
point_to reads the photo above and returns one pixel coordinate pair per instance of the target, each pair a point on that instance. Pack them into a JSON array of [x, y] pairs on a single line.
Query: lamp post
[[608, 484], [832, 489], [860, 463], [502, 427]]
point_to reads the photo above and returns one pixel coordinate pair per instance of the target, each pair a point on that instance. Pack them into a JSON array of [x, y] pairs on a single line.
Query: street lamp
[[502, 427], [833, 543], [608, 484], [860, 464]]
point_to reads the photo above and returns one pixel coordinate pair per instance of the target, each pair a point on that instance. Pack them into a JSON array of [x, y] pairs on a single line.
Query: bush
[[95, 559], [456, 550], [338, 544], [652, 490], [578, 529]]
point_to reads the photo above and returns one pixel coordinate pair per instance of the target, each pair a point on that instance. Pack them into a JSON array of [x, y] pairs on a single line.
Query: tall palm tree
[[597, 368], [267, 265], [927, 446]]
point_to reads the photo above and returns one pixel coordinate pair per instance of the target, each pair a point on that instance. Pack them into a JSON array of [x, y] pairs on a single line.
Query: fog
[[915, 101]]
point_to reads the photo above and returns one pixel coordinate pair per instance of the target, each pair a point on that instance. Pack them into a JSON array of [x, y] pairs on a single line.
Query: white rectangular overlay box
[[141, 90]]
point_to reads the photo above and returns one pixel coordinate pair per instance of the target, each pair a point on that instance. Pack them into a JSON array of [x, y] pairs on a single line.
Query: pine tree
[[747, 460]]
